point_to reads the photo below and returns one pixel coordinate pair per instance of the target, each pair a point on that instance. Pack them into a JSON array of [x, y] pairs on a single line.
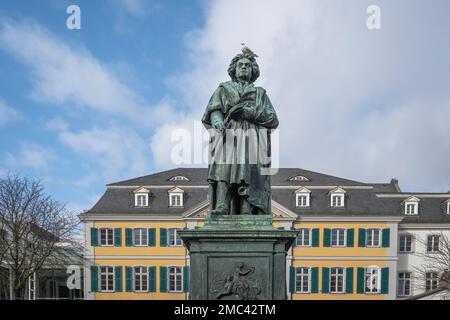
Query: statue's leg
[[246, 207], [222, 199]]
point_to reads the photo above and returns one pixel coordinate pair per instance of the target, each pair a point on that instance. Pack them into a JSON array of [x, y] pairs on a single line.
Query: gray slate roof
[[119, 196]]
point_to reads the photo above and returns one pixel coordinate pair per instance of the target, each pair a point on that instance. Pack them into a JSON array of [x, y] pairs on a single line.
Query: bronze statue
[[240, 118]]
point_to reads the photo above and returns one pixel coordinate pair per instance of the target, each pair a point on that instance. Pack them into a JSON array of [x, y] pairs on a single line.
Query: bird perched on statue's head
[[247, 51]]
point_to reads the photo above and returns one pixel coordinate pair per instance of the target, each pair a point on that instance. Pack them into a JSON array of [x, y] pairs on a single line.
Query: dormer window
[[179, 178], [448, 206], [302, 197], [299, 178], [337, 198], [176, 197], [141, 197], [412, 206]]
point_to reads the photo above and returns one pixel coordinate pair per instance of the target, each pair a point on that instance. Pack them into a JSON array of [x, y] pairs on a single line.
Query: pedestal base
[[238, 258]]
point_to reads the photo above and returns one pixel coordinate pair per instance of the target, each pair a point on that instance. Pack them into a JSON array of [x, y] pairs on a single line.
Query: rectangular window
[[140, 237], [107, 279], [404, 284], [337, 280], [302, 280], [405, 243], [106, 236], [448, 207], [304, 237], [337, 200], [302, 200], [338, 237], [433, 243], [373, 237], [411, 208], [175, 279], [372, 280], [174, 238], [141, 200], [431, 281], [175, 200], [141, 279]]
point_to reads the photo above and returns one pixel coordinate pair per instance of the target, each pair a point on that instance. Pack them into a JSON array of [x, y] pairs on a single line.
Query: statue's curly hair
[[233, 64]]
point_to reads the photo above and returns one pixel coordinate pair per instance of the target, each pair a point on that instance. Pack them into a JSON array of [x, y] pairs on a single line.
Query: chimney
[[394, 182]]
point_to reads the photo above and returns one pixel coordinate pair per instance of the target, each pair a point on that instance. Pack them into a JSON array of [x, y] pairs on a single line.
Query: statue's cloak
[[241, 169]]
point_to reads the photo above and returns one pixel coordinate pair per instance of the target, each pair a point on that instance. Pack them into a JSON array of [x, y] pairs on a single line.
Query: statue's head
[[244, 67]]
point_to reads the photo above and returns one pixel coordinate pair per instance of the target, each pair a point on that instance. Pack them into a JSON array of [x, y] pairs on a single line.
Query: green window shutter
[[94, 278], [117, 237], [151, 279], [129, 279], [163, 237], [118, 279], [326, 237], [186, 279], [361, 279], [350, 237], [94, 237], [314, 280], [348, 280], [315, 237], [291, 279], [128, 237], [162, 279], [386, 235], [325, 280], [362, 238], [384, 280], [152, 237]]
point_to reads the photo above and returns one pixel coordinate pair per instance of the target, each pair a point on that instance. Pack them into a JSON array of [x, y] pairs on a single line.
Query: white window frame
[[175, 274], [341, 203], [337, 245], [143, 278], [299, 289], [177, 240], [175, 194], [369, 273], [400, 242], [109, 232], [337, 277], [431, 280], [143, 234], [373, 231], [138, 196], [448, 206], [433, 236], [402, 294], [179, 178], [415, 208], [301, 237], [302, 196], [107, 274]]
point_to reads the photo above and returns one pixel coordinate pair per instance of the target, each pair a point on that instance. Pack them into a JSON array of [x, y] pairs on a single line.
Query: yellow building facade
[[133, 252]]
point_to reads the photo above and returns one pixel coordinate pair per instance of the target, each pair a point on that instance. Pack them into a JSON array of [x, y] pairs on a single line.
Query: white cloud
[[111, 153], [31, 155], [7, 113], [70, 74], [367, 105]]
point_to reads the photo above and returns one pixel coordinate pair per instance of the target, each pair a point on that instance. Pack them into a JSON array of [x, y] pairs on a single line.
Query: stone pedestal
[[238, 258]]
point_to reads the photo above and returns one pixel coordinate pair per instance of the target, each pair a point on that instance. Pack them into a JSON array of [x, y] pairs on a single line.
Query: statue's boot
[[246, 207], [223, 198]]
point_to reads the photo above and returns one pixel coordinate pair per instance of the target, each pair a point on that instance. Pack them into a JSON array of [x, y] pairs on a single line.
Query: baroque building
[[357, 240]]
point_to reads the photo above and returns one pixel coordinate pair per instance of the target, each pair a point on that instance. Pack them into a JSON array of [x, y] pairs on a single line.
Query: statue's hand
[[218, 124]]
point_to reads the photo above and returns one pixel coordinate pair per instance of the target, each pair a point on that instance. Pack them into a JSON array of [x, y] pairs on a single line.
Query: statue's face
[[244, 69]]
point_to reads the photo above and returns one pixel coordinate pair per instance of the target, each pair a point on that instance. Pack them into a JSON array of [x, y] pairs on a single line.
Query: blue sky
[[83, 108]]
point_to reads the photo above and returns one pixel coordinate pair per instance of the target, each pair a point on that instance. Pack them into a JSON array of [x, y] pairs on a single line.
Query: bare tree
[[435, 261], [32, 224]]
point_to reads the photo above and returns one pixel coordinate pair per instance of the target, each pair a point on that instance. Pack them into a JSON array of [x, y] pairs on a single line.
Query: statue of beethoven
[[240, 118]]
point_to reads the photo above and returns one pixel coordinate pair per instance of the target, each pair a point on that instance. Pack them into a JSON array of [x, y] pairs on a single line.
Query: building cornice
[[349, 219], [424, 226], [407, 195]]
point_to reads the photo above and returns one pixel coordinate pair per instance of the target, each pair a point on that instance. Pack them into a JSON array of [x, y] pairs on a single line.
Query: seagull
[[247, 51]]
